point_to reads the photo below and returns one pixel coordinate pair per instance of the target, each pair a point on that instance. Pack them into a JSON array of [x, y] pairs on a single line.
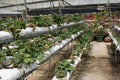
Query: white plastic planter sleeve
[[53, 27], [89, 20], [28, 32], [78, 33], [74, 36], [116, 27], [64, 24], [13, 47], [9, 74], [118, 48], [118, 19], [15, 73], [58, 47], [8, 60], [114, 40], [47, 53], [55, 49], [5, 36]]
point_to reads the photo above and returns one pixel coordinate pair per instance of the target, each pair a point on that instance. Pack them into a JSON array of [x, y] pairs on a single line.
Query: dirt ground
[[98, 66]]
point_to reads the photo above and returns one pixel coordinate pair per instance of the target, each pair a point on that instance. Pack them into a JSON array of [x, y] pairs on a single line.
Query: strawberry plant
[[15, 26], [73, 18], [17, 59], [2, 58], [68, 32], [62, 69], [58, 19], [2, 25], [42, 21], [28, 51]]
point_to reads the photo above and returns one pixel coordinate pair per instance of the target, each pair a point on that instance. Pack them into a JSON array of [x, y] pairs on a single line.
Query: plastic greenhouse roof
[[2, 11]]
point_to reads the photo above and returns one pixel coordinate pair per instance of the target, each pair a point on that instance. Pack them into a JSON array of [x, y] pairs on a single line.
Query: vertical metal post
[[50, 7], [1, 46], [109, 8], [60, 12], [108, 5], [63, 2], [25, 4]]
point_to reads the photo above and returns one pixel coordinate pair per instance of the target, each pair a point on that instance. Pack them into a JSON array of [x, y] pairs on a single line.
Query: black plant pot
[[99, 38]]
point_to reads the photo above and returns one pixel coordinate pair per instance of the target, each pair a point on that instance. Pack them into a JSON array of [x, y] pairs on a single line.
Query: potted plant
[[99, 33]]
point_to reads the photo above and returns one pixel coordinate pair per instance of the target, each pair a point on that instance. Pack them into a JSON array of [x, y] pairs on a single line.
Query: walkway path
[[98, 66]]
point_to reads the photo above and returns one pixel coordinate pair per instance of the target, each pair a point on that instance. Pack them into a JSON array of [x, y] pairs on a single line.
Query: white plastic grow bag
[[5, 36], [28, 32]]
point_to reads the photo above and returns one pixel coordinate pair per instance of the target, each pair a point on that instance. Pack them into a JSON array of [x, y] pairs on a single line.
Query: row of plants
[[15, 26], [82, 48], [30, 50], [103, 16], [27, 52], [116, 33], [66, 33], [48, 20], [115, 46], [83, 41]]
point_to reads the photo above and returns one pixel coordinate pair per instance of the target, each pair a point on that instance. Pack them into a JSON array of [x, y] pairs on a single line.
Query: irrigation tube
[[19, 73], [6, 37]]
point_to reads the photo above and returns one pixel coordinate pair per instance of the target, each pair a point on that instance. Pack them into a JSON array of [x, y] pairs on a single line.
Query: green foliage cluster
[[62, 68], [30, 50]]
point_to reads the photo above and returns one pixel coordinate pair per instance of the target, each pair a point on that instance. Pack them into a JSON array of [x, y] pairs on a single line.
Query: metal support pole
[[59, 8], [1, 46], [108, 6], [51, 7], [25, 4]]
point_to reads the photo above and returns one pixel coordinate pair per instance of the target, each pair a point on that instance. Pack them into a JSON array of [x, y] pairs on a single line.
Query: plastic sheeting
[[2, 11], [5, 36], [29, 32], [56, 4]]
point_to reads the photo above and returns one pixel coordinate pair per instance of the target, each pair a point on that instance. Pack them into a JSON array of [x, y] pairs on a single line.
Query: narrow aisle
[[98, 66]]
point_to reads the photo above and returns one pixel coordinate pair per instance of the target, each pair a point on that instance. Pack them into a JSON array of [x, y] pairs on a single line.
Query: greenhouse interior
[[59, 39]]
